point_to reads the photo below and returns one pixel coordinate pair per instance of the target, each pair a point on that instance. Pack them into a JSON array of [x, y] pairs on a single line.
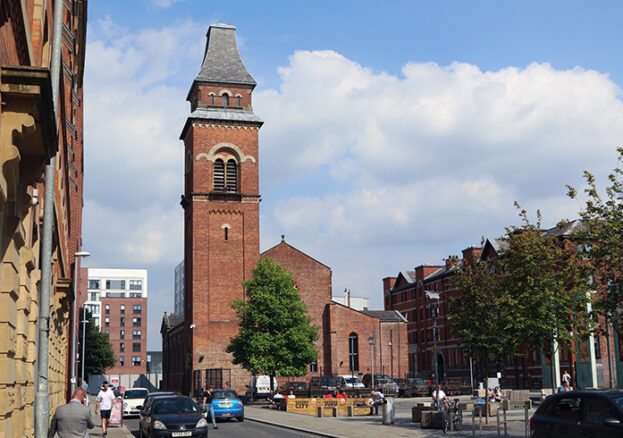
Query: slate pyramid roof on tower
[[221, 62]]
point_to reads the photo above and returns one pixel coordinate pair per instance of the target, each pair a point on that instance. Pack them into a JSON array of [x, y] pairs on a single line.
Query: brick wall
[[313, 280], [115, 329]]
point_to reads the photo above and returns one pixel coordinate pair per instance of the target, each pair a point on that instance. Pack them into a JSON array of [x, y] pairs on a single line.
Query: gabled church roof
[[221, 62], [287, 245]]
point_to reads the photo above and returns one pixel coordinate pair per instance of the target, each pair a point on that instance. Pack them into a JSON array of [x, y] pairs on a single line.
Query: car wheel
[[241, 417]]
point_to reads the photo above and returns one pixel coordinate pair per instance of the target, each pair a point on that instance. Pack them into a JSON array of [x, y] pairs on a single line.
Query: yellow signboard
[[310, 406]]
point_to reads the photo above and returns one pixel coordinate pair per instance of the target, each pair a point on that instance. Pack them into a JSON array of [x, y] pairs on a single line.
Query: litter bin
[[388, 411]]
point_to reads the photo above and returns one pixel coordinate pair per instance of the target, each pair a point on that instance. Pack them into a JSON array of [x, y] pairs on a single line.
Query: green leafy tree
[[477, 314], [602, 245], [546, 288], [98, 351], [601, 236], [536, 294], [276, 335]]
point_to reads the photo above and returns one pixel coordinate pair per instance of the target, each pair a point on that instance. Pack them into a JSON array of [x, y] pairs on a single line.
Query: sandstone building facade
[[30, 135]]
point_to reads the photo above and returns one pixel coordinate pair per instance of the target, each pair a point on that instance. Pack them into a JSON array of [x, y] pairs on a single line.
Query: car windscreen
[[174, 406], [352, 380], [221, 395], [136, 393]]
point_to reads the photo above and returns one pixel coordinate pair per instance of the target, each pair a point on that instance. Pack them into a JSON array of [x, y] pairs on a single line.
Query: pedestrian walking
[[207, 404], [103, 405], [566, 377], [73, 419]]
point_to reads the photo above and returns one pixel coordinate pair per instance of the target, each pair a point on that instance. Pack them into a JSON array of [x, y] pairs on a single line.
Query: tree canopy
[[98, 351], [602, 244], [276, 335], [531, 294]]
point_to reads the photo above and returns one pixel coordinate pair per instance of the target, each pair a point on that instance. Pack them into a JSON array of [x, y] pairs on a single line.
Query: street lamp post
[[432, 295], [74, 338], [84, 330], [371, 343]]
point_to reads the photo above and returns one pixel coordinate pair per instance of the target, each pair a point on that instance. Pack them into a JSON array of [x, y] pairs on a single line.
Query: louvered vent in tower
[[219, 175], [232, 176]]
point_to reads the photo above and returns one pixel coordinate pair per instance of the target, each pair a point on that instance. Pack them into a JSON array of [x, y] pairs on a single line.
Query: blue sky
[[396, 133]]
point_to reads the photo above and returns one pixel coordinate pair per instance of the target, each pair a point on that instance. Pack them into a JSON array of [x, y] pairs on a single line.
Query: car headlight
[[159, 425], [202, 423]]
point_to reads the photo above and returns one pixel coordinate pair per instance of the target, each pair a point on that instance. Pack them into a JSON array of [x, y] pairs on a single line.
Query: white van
[[260, 387], [349, 381]]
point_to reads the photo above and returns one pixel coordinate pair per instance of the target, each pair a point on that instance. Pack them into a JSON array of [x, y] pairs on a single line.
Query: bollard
[[505, 429], [526, 407], [473, 425], [388, 411], [319, 411], [480, 416], [497, 420], [351, 411]]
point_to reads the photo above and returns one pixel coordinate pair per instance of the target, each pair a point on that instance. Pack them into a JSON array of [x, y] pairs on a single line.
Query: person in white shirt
[[103, 405], [440, 399], [291, 395]]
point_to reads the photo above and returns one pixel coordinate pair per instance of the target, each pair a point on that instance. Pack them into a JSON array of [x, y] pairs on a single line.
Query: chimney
[[451, 261], [471, 254], [347, 296]]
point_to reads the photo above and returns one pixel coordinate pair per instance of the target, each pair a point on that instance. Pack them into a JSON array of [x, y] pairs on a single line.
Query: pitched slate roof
[[443, 271], [566, 229], [385, 315], [221, 62], [170, 321], [408, 275]]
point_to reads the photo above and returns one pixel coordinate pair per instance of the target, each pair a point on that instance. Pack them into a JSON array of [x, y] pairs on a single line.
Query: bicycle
[[452, 416]]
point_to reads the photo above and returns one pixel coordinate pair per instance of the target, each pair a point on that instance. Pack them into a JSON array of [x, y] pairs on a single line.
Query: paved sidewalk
[[113, 431], [373, 427]]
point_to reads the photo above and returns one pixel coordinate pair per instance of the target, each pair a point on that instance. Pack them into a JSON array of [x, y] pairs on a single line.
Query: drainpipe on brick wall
[[42, 397]]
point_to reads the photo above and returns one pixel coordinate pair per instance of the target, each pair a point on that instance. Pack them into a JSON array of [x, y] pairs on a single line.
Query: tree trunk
[[610, 358]]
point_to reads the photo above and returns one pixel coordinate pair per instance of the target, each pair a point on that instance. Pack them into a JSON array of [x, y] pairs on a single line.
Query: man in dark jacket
[[73, 419]]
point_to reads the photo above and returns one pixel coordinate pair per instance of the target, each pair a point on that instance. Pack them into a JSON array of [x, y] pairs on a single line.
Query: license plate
[[225, 405], [187, 433]]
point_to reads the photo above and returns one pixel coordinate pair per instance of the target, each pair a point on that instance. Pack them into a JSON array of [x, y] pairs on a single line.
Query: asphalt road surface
[[246, 429]]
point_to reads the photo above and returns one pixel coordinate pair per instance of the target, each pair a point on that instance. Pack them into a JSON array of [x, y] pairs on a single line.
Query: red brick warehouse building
[[221, 240], [406, 293]]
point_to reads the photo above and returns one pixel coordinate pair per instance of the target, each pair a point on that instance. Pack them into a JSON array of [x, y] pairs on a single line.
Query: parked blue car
[[226, 404]]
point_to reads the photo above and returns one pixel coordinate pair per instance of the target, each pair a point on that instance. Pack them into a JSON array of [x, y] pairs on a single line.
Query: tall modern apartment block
[[117, 300], [178, 308]]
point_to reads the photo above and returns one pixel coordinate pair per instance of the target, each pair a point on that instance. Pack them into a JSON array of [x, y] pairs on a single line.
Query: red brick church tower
[[221, 208]]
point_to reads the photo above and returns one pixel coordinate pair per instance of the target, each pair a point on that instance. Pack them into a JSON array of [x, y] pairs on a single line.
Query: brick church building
[[221, 245]]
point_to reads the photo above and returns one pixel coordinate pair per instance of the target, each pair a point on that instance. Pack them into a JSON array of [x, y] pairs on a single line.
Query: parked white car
[[132, 398], [349, 381]]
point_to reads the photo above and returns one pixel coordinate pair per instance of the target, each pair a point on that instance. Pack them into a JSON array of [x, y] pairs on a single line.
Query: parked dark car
[[579, 414], [150, 396], [297, 386], [172, 416], [413, 387], [325, 383]]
